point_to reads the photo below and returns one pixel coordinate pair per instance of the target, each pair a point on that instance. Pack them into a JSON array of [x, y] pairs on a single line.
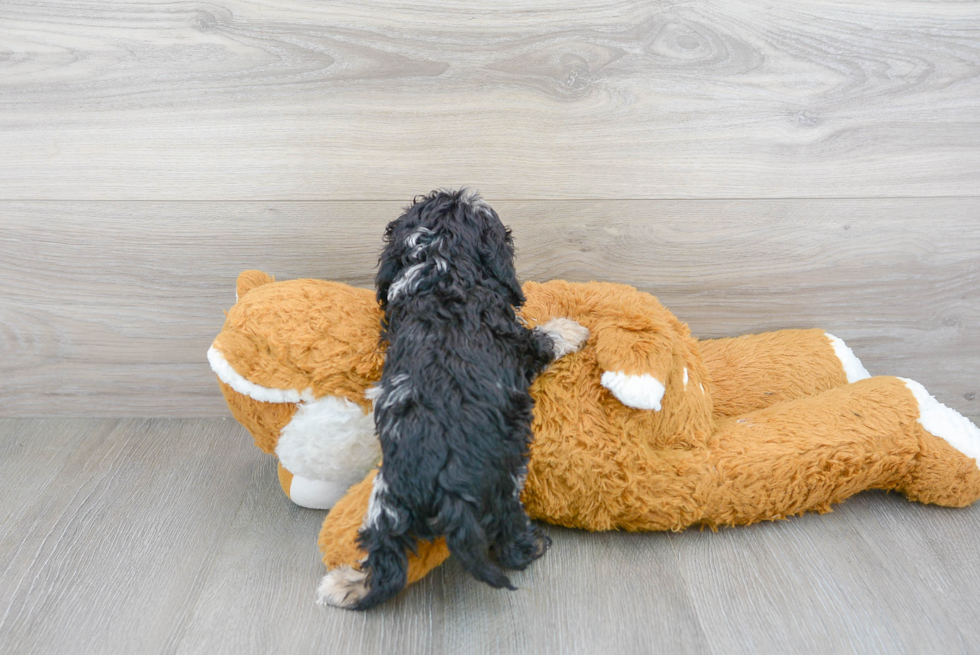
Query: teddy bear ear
[[248, 280]]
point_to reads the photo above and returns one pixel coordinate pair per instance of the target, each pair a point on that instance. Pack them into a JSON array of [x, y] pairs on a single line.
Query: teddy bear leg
[[810, 453], [344, 582], [755, 371]]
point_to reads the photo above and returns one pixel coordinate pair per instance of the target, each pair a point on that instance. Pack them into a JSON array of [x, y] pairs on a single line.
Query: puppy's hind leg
[[382, 575], [385, 571], [519, 542], [467, 540], [386, 566]]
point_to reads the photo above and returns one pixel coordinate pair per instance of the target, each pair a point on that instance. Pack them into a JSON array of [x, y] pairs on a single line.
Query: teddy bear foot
[[342, 587], [945, 471], [311, 494]]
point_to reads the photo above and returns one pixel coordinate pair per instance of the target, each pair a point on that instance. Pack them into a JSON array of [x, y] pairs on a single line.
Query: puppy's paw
[[524, 550], [342, 587], [639, 391], [568, 335]]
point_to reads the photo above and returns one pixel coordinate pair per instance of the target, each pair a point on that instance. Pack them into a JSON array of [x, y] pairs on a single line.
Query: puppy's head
[[447, 233]]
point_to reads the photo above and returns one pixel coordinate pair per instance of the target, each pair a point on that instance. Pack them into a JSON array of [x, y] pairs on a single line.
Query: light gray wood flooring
[[172, 536]]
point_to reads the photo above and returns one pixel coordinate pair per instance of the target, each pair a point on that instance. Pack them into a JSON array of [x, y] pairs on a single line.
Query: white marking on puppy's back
[[946, 423], [378, 504], [398, 390], [853, 368]]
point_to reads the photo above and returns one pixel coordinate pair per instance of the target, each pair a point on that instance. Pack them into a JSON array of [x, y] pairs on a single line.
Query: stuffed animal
[[646, 428]]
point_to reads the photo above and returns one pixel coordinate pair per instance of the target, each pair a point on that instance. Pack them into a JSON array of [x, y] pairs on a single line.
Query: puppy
[[453, 411]]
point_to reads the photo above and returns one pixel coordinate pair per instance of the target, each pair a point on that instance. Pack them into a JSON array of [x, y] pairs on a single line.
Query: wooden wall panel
[[347, 100], [108, 308]]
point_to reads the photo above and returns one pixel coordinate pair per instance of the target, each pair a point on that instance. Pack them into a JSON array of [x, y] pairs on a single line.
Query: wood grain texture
[[172, 536], [860, 579], [229, 99], [109, 307], [109, 553]]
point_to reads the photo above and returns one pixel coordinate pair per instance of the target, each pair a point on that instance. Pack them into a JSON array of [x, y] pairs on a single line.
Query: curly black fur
[[453, 410]]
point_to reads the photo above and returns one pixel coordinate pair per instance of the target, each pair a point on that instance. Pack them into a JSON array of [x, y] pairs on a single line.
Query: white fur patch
[[330, 439], [398, 391], [639, 391], [230, 376], [407, 280], [944, 422], [853, 367], [685, 378], [342, 587], [568, 335], [412, 240], [316, 494], [376, 504]]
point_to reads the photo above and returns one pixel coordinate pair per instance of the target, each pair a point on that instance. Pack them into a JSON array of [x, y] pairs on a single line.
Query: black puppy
[[453, 411]]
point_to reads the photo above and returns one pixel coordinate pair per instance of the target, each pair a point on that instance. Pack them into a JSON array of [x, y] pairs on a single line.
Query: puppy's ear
[[388, 267], [393, 255], [497, 253]]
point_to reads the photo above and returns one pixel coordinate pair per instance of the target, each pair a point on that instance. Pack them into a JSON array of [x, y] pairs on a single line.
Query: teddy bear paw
[[639, 391], [568, 335], [342, 587]]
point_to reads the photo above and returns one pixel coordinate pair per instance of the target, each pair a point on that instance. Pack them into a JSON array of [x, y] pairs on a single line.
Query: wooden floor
[[756, 165], [172, 536]]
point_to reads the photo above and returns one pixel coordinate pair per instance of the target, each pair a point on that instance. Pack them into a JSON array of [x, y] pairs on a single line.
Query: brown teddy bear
[[646, 428]]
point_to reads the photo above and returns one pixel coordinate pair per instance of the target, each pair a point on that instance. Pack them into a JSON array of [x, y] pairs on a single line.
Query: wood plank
[[163, 536], [259, 595], [109, 307], [591, 593], [30, 460], [574, 99], [111, 553], [861, 579]]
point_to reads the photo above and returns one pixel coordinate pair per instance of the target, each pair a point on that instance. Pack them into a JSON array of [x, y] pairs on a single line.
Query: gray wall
[[809, 164]]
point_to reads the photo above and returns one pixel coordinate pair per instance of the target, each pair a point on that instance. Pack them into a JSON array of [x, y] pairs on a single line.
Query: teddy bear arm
[[632, 333], [635, 365], [338, 536]]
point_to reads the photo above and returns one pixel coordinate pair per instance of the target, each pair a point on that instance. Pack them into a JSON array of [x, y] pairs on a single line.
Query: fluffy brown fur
[[765, 427]]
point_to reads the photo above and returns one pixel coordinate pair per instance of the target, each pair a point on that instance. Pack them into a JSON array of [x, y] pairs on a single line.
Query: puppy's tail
[[467, 540]]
